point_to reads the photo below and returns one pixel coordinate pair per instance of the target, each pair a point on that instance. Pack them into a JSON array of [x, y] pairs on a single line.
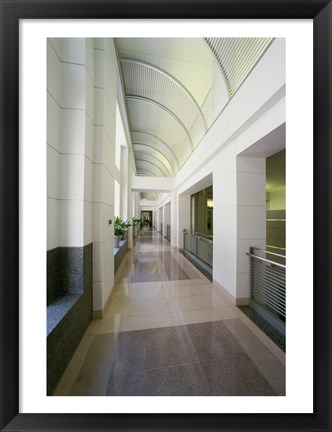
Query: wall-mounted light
[[210, 202]]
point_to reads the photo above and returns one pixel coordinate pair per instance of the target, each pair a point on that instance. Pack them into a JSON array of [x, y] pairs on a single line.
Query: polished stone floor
[[169, 331]]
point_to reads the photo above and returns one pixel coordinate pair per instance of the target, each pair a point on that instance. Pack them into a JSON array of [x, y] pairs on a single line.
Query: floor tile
[[136, 307], [105, 325], [228, 377], [132, 292], [195, 302], [147, 272], [192, 317], [187, 290], [145, 321]]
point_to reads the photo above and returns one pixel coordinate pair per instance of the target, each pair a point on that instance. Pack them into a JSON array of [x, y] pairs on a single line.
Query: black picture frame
[[11, 12]]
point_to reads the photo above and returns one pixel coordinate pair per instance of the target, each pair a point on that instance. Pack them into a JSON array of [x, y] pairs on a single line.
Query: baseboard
[[244, 301]]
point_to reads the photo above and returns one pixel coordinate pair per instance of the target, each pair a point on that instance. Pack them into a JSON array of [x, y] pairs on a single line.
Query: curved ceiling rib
[[151, 196], [152, 120], [154, 137], [136, 144], [158, 105], [145, 171], [141, 154], [151, 163], [137, 72]]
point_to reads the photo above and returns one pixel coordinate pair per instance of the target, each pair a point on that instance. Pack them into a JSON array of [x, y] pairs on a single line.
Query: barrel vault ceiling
[[174, 89]]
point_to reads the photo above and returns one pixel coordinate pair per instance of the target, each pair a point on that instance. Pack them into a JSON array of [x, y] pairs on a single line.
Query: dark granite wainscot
[[120, 252], [69, 306]]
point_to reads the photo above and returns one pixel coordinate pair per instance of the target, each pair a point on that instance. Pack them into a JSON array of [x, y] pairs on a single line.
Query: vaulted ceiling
[[174, 89]]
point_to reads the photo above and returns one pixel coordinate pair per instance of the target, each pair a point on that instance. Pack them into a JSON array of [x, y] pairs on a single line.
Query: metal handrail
[[267, 260], [270, 253], [199, 235]]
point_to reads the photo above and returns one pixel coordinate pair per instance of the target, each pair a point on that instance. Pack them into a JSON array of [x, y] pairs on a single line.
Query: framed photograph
[[23, 264]]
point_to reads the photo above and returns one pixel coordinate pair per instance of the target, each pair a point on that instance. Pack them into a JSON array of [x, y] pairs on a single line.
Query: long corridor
[[168, 331]]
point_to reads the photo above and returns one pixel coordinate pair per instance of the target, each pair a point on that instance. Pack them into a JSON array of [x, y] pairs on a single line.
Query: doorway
[[146, 218]]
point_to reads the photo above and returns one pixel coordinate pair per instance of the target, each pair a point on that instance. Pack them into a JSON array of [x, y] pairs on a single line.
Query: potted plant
[[120, 228], [135, 223]]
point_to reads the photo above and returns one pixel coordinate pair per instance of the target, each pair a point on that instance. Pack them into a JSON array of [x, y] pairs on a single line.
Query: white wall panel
[[224, 163], [224, 221], [90, 96], [110, 91], [98, 143], [102, 230], [104, 152], [98, 262], [73, 131], [110, 120], [88, 180], [90, 59], [53, 168], [224, 252], [98, 43], [53, 227], [224, 191], [242, 284], [108, 276], [87, 222], [97, 296], [57, 45], [99, 114], [97, 182], [251, 189], [250, 164], [71, 223], [54, 74], [226, 278], [73, 86], [72, 177], [73, 50], [89, 138], [184, 212], [54, 123], [103, 185], [251, 222], [99, 69]]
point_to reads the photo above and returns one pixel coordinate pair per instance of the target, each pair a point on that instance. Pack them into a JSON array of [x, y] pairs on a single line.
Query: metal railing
[[268, 285], [200, 245]]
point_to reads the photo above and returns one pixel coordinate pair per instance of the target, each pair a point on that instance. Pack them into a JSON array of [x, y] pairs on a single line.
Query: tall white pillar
[[183, 223], [251, 217], [103, 171]]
